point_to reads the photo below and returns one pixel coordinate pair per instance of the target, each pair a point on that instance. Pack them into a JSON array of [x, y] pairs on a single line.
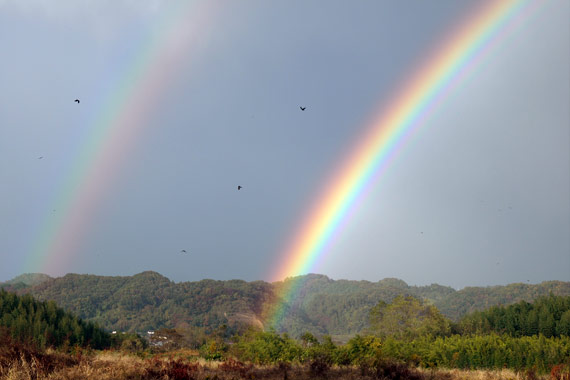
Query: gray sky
[[479, 195]]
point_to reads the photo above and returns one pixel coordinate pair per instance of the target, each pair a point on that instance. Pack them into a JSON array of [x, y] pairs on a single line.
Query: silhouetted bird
[[239, 187], [39, 158], [76, 101], [302, 108], [183, 251]]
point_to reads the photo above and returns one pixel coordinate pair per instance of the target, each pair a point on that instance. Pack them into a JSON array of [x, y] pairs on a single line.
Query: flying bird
[[183, 251], [39, 158], [302, 108], [76, 101], [239, 187]]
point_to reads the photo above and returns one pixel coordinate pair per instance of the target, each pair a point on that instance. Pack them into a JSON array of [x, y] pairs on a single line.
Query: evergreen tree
[[44, 324], [563, 326]]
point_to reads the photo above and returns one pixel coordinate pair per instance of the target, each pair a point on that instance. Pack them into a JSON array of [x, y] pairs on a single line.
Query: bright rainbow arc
[[416, 100], [111, 136]]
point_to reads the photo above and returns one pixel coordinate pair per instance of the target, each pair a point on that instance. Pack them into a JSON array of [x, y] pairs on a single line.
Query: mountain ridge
[[149, 300]]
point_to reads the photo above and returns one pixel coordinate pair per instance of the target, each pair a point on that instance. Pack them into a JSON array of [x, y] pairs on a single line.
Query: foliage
[[471, 299], [549, 316], [469, 352], [149, 301], [22, 364], [407, 318], [266, 347], [44, 324], [481, 351], [214, 349], [128, 342], [24, 280]]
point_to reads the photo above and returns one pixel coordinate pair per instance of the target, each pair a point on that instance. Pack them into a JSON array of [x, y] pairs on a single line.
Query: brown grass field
[[18, 362]]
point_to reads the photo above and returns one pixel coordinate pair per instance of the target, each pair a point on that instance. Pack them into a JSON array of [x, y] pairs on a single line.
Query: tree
[[563, 327], [407, 318]]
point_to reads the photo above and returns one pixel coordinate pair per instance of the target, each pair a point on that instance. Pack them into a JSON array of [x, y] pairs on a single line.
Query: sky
[[477, 195]]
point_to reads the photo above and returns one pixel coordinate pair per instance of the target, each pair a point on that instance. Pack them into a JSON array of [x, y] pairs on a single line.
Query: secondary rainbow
[[415, 100], [112, 135]]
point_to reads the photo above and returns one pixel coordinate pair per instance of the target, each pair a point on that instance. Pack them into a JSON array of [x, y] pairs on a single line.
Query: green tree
[[407, 318], [563, 326]]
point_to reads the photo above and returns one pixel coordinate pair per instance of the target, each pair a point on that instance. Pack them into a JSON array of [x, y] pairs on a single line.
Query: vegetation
[[25, 280], [149, 301], [117, 366], [549, 316], [44, 324], [406, 339], [407, 318]]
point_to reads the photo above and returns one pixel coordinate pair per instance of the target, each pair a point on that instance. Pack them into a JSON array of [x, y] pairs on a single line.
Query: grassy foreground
[[21, 362]]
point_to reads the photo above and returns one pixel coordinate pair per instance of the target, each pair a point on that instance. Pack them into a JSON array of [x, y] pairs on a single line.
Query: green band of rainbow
[[416, 99], [111, 136]]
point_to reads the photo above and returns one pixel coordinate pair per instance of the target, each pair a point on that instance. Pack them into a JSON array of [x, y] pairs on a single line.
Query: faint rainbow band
[[417, 98]]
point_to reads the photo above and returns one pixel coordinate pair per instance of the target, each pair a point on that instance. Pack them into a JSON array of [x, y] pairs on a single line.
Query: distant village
[[154, 340]]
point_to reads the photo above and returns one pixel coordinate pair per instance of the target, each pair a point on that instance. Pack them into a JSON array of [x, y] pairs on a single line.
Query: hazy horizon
[[307, 274]]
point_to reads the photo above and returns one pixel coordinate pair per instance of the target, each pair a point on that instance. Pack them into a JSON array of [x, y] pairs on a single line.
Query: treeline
[[466, 352], [482, 351], [340, 308], [149, 301], [413, 331], [44, 324], [549, 316], [407, 330]]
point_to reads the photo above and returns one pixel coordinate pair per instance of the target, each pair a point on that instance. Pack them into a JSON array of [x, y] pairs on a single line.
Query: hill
[[24, 280], [472, 299], [323, 306], [45, 324], [149, 301], [340, 307]]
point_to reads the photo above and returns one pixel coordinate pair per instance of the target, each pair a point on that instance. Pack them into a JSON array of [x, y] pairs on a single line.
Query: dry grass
[[19, 362], [503, 374]]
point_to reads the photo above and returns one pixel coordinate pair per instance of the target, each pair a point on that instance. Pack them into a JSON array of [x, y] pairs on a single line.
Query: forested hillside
[[341, 307], [323, 306], [45, 324], [149, 301], [549, 316], [24, 281], [472, 299]]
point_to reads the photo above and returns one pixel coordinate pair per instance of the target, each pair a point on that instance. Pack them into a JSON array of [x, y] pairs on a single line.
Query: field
[[21, 362]]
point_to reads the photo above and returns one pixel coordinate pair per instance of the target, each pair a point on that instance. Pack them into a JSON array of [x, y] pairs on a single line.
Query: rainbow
[[417, 98], [112, 135]]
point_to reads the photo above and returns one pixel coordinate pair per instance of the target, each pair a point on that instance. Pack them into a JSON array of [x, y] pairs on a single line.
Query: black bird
[[76, 101], [39, 158], [239, 187], [302, 108], [183, 251]]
